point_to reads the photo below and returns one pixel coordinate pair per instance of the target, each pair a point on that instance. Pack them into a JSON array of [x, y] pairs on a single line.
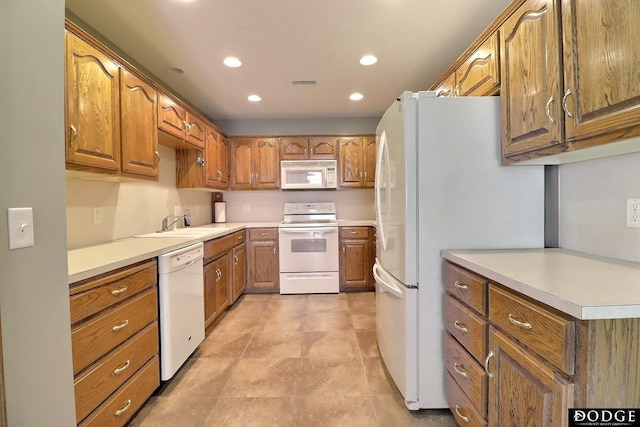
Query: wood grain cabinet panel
[[138, 125], [356, 161], [263, 258], [468, 328], [356, 262], [479, 75], [255, 164], [308, 148], [172, 118], [523, 390], [92, 107], [601, 56], [294, 148], [461, 407], [239, 271], [468, 287], [467, 373], [531, 90], [195, 130], [448, 86]]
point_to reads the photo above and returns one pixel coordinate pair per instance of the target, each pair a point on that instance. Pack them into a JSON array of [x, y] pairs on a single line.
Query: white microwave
[[308, 174]]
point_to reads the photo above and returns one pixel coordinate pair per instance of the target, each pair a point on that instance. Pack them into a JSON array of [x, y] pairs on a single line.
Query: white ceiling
[[280, 41]]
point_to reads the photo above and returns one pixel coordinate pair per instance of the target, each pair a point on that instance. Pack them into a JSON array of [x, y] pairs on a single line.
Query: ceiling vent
[[304, 82]]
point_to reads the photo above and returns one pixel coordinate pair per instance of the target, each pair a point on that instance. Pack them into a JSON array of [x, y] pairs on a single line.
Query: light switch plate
[[20, 221]]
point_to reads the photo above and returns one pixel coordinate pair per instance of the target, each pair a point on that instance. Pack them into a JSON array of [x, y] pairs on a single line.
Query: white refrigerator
[[439, 185]]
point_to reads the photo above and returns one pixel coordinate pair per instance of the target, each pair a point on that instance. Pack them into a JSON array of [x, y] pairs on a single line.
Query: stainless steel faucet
[[166, 224]]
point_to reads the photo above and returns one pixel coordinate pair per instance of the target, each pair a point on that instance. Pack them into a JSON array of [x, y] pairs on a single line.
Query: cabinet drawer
[[105, 377], [263, 233], [468, 328], [547, 333], [92, 339], [468, 373], [123, 404], [215, 247], [91, 296], [239, 237], [461, 408], [467, 287], [354, 232]]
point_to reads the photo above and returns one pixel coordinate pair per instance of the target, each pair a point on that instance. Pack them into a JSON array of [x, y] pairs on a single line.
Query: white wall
[[592, 206], [34, 294], [336, 126], [268, 205], [130, 208]]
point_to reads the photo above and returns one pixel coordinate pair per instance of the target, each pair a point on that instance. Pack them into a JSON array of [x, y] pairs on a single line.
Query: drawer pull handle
[[121, 411], [486, 363], [122, 368], [353, 232], [120, 326], [460, 326], [465, 419], [262, 234], [117, 292], [460, 372], [460, 286], [515, 321]]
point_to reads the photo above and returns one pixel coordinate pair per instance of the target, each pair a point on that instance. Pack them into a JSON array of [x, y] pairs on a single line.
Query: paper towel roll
[[220, 209]]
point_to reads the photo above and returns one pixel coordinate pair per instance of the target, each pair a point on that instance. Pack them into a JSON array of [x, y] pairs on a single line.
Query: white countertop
[[583, 286], [90, 261]]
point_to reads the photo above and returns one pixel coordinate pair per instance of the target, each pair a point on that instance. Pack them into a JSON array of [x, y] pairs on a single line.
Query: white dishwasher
[[181, 314]]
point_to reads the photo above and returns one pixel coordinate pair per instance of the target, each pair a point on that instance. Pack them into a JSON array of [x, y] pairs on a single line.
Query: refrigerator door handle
[[378, 181], [386, 286]]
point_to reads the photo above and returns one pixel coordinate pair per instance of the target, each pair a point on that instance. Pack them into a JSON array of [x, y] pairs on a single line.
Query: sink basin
[[186, 232]]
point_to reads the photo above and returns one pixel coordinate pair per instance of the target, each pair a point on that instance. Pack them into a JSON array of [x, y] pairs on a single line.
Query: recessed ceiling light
[[175, 70], [356, 96], [368, 60], [232, 61], [254, 98]]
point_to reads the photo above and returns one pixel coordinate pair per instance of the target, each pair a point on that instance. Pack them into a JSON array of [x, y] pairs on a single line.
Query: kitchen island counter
[[583, 286]]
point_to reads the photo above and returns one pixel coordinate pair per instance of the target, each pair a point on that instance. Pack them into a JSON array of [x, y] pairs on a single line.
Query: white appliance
[[309, 244], [181, 289], [308, 174], [439, 185]]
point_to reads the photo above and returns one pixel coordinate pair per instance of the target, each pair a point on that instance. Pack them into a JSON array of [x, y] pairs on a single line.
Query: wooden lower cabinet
[[356, 258], [263, 258], [537, 363], [115, 346], [239, 271]]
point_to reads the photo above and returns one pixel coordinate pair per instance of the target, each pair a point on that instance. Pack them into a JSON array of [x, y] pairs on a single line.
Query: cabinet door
[[294, 148], [210, 283], [601, 58], [323, 148], [93, 107], [241, 153], [266, 164], [171, 117], [530, 71], [264, 271], [223, 162], [223, 285], [354, 263], [448, 87], [523, 391], [479, 75], [369, 161], [211, 166], [195, 130], [139, 126], [350, 162], [239, 270]]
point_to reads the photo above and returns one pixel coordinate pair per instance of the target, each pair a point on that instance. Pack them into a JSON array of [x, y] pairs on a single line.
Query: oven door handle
[[308, 230]]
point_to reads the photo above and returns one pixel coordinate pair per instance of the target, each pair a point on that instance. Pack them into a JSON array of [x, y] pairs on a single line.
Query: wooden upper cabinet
[[138, 126], [448, 87], [223, 162], [601, 57], [241, 155], [530, 73], [266, 164], [479, 75], [92, 107], [171, 117], [195, 130], [308, 148], [356, 161]]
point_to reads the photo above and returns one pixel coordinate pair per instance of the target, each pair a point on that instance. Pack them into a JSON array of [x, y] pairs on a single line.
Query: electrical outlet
[[97, 216], [246, 207], [633, 213]]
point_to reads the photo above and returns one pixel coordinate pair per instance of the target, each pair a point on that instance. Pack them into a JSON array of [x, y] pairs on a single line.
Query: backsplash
[[129, 208], [132, 208], [592, 206]]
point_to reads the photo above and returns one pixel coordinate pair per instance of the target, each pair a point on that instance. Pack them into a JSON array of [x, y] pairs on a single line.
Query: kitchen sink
[[186, 232]]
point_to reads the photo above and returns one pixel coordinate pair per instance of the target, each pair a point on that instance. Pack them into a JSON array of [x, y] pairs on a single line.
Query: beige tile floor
[[294, 360]]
